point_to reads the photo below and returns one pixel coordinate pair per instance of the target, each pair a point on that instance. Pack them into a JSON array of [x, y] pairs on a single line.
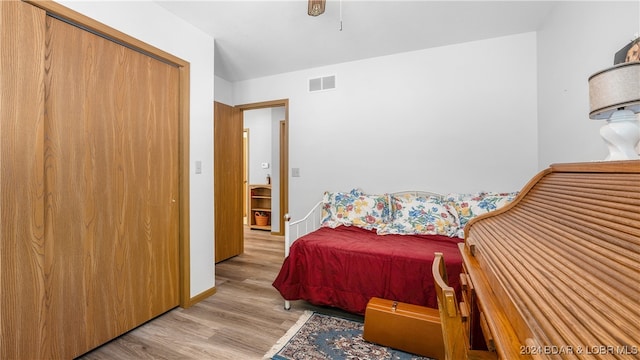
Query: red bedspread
[[346, 266]]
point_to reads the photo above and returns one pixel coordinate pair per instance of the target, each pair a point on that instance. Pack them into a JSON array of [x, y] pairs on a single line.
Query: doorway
[[274, 169], [229, 185], [262, 168]]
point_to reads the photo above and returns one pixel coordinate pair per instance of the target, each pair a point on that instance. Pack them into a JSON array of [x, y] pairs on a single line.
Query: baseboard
[[203, 295]]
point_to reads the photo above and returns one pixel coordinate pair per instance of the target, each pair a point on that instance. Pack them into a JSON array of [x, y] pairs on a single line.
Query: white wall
[[154, 25], [454, 118], [577, 40], [223, 91], [259, 124]]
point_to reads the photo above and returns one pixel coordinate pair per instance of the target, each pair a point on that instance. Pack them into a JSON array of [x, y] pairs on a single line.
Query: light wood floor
[[241, 321]]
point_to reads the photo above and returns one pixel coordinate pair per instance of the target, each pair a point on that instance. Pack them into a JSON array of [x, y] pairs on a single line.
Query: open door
[[227, 179]]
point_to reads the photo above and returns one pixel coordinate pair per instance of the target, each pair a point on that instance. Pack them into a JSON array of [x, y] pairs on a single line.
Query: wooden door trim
[[284, 170], [62, 12], [284, 154], [57, 10], [264, 104], [245, 175]]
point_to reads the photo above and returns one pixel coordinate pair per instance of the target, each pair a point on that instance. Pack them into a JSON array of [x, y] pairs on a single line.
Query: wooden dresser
[[556, 274]]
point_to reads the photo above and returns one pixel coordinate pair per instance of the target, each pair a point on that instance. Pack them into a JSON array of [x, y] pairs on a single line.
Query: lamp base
[[622, 134]]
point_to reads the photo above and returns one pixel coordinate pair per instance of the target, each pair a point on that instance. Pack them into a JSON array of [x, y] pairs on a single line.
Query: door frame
[[284, 153], [245, 176], [62, 12]]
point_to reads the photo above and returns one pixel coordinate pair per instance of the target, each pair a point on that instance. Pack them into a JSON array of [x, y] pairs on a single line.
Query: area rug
[[322, 337]]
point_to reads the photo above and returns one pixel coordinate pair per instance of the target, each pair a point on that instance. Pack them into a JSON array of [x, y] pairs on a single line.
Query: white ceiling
[[260, 38]]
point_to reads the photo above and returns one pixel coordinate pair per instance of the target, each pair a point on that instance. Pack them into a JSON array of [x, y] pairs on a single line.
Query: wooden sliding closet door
[[22, 282], [111, 179]]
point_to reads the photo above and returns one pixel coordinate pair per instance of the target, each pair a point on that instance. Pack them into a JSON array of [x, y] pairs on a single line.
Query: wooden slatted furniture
[[556, 274], [454, 318]]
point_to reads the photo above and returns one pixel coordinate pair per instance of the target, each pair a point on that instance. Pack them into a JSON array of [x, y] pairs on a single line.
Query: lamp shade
[[615, 88]]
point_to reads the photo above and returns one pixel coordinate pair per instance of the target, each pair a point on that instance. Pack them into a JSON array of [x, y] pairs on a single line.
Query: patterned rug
[[321, 337]]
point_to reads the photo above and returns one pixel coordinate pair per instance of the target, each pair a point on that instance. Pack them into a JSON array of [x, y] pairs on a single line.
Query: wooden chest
[[410, 328]]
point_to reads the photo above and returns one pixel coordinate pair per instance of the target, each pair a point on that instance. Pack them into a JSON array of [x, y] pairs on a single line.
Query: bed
[[353, 246]]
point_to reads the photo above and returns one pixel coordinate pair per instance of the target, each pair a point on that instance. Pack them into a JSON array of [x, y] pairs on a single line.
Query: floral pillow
[[355, 208], [460, 203], [468, 206], [420, 215]]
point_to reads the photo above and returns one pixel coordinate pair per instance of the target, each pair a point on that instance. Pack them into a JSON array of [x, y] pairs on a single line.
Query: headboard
[[311, 221]]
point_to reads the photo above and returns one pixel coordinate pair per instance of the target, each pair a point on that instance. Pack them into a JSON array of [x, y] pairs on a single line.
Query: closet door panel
[[112, 186], [22, 284]]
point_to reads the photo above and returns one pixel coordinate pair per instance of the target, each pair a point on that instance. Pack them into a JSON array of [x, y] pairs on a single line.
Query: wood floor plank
[[242, 320]]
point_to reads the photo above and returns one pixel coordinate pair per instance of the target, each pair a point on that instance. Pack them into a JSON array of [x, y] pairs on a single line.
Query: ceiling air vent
[[322, 83]]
